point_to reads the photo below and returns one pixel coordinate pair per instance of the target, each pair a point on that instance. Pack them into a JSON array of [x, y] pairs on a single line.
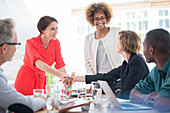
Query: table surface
[[74, 110], [104, 108]]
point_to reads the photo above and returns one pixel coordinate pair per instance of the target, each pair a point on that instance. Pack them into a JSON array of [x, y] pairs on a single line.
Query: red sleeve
[[32, 52], [58, 59]]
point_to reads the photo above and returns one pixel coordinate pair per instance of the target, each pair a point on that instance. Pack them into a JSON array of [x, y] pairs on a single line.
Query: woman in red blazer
[[40, 53]]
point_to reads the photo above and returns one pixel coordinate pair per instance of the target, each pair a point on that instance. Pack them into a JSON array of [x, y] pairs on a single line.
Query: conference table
[[105, 107]]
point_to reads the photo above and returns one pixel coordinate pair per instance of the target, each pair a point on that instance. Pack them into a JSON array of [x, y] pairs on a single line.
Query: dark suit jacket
[[129, 73]]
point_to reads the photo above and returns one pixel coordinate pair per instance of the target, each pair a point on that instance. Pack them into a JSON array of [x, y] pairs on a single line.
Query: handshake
[[68, 80]]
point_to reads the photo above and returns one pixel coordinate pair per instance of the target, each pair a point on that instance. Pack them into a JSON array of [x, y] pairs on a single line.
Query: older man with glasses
[[16, 44], [9, 98]]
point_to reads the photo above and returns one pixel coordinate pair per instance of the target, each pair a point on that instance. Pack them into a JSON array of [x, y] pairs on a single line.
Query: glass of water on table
[[51, 91], [81, 91], [96, 92]]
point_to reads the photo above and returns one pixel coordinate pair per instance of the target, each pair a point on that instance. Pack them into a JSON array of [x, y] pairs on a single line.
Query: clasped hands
[[149, 100], [66, 80]]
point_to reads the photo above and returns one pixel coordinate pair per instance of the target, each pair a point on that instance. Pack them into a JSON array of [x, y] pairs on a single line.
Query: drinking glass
[[51, 91], [81, 92], [96, 93], [37, 92]]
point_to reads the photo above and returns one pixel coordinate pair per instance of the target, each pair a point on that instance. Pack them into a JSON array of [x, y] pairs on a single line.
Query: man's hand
[[149, 99], [139, 98], [39, 96]]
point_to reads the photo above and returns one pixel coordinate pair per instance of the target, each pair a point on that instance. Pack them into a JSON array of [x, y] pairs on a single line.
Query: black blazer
[[129, 73]]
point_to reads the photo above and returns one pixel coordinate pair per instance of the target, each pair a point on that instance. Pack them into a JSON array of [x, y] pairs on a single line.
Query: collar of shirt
[[165, 68], [38, 42]]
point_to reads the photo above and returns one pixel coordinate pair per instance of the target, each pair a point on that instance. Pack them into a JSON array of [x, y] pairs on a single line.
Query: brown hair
[[98, 7], [44, 22], [130, 41]]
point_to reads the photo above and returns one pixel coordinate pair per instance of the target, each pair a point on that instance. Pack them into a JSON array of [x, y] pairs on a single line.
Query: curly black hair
[[98, 7]]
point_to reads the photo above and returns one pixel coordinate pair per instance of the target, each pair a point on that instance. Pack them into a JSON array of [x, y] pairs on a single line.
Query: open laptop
[[126, 105]]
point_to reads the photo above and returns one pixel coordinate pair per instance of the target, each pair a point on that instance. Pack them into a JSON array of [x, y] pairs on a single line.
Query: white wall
[[24, 26]]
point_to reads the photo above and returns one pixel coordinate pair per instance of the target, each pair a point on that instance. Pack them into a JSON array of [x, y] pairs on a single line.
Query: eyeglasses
[[97, 19], [10, 43]]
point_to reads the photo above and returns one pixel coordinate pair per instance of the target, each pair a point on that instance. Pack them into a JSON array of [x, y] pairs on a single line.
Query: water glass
[[60, 93], [81, 92], [37, 92], [51, 91], [96, 93]]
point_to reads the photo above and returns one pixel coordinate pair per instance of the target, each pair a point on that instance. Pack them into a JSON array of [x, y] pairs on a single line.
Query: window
[[140, 25], [145, 14], [160, 23], [166, 23], [160, 12], [145, 24], [128, 25], [166, 12]]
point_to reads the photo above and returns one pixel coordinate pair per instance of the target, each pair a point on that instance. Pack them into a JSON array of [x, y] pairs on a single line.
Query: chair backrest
[[20, 108]]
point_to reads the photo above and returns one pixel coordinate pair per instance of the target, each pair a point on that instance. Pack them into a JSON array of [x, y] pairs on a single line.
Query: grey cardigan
[[10, 97]]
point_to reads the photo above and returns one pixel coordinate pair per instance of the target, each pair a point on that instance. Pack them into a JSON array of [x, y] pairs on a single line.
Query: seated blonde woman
[[132, 70]]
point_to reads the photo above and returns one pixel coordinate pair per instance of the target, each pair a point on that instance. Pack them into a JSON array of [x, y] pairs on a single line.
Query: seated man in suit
[[155, 89], [9, 98]]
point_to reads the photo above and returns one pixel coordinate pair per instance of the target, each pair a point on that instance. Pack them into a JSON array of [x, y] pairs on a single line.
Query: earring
[[42, 35]]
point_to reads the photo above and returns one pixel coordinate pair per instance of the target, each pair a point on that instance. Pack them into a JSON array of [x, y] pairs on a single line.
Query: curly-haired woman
[[99, 49]]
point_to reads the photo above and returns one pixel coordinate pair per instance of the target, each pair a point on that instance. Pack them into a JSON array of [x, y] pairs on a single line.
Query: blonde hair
[[130, 41]]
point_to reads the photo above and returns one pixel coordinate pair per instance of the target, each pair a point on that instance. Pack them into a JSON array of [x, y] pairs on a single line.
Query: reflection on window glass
[[133, 14], [160, 12], [128, 15], [140, 25], [145, 14], [146, 25], [166, 23], [160, 23], [128, 25], [166, 12]]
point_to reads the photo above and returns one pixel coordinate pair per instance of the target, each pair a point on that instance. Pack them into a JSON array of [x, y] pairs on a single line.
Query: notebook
[[72, 103], [124, 105]]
